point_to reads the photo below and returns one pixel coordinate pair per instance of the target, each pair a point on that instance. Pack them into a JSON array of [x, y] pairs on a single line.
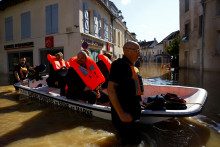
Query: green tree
[[173, 49]]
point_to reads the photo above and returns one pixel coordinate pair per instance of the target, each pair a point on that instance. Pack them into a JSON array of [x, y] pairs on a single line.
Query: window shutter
[[95, 24], [48, 20], [105, 29], [100, 26], [8, 29], [86, 18], [25, 25], [111, 33], [54, 19]]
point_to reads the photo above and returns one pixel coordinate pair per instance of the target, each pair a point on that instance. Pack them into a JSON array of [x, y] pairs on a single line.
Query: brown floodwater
[[25, 122]]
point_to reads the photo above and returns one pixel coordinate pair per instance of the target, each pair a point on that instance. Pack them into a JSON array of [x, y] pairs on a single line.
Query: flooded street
[[33, 123]]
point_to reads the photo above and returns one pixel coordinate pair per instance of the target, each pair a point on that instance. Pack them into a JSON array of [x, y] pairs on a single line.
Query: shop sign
[[49, 43], [93, 42], [19, 45]]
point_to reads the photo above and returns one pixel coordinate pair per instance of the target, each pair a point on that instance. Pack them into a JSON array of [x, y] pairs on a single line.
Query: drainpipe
[[203, 43], [203, 35]]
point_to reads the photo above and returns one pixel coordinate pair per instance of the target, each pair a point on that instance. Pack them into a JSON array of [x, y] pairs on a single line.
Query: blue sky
[[150, 19]]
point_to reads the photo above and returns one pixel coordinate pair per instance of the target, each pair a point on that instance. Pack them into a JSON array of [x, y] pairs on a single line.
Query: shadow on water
[[50, 119]]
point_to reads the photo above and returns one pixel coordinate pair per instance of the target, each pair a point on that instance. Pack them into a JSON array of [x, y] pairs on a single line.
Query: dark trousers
[[130, 103], [60, 77], [91, 97], [129, 133]]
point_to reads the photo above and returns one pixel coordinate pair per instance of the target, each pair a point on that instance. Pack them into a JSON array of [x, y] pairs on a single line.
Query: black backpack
[[169, 101], [174, 102]]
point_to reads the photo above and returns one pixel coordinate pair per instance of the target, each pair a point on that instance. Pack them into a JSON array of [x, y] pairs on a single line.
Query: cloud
[[125, 2]]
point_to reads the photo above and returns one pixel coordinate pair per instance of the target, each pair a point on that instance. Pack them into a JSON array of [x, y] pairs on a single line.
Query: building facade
[[147, 50], [34, 28], [200, 34]]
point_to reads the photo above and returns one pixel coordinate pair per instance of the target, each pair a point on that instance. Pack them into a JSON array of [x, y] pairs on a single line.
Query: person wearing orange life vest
[[57, 72], [125, 88], [21, 71], [104, 65], [84, 80]]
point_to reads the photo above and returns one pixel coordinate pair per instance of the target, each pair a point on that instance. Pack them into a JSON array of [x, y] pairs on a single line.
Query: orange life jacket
[[67, 64], [106, 60], [56, 64], [92, 76], [135, 73]]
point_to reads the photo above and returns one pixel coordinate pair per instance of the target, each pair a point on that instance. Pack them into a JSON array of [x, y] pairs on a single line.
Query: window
[[198, 56], [217, 7], [89, 22], [105, 30], [186, 5], [187, 30], [8, 29], [111, 35], [200, 25], [218, 45], [119, 39], [25, 25], [85, 18], [93, 54], [114, 35], [95, 24], [100, 26], [52, 19]]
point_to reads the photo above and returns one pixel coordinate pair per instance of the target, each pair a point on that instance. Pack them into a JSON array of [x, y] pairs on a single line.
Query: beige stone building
[[200, 34], [34, 28], [148, 50]]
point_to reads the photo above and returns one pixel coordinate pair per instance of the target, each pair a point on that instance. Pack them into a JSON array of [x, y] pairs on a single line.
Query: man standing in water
[[125, 88]]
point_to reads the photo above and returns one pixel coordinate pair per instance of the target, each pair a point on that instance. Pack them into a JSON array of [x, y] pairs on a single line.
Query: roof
[[145, 44], [7, 3], [172, 35]]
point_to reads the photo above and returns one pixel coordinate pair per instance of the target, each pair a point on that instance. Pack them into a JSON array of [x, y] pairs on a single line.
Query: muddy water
[[32, 123]]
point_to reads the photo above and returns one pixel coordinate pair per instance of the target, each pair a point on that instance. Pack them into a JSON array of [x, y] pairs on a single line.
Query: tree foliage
[[173, 49]]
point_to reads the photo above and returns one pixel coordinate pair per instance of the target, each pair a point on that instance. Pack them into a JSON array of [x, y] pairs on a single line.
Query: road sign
[[85, 45]]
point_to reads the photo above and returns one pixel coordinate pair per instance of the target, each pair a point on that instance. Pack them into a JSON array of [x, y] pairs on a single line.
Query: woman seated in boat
[[104, 65], [57, 72], [84, 80]]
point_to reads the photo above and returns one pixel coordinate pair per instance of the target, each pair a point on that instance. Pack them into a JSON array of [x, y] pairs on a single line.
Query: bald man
[[77, 89], [125, 88]]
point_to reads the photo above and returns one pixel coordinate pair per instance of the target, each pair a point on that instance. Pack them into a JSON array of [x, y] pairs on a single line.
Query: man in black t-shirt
[[21, 71], [125, 88]]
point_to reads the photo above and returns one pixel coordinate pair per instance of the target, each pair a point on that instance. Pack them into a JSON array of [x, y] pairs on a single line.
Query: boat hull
[[195, 96]]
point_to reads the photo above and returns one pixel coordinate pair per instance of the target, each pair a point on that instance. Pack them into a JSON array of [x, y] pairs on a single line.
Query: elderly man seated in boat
[[84, 80], [57, 72]]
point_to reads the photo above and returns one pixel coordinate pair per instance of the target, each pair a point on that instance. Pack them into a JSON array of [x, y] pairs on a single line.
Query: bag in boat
[[169, 101], [174, 102], [154, 103]]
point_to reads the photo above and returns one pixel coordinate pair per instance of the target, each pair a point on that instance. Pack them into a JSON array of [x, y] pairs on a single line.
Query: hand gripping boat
[[195, 98]]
